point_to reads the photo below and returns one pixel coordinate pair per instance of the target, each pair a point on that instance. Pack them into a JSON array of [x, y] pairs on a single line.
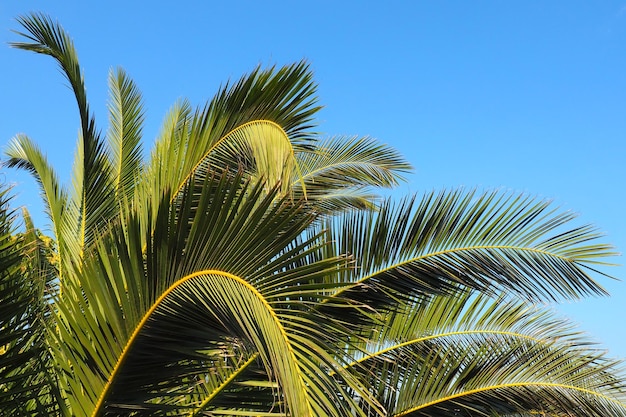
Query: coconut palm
[[247, 268]]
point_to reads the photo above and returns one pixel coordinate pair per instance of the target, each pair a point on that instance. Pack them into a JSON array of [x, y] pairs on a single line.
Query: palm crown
[[247, 268]]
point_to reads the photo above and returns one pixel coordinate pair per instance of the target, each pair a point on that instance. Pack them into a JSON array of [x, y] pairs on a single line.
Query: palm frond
[[341, 166], [27, 387], [62, 211], [279, 101], [92, 177], [209, 276], [461, 354], [284, 95], [25, 154], [261, 148], [49, 38], [126, 116], [492, 242], [501, 375]]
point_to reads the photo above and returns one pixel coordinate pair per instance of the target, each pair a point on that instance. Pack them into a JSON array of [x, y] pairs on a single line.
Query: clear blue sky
[[527, 96]]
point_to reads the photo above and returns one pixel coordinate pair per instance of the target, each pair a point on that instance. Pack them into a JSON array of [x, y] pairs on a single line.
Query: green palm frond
[[491, 241], [284, 97], [261, 148], [502, 375], [25, 154], [48, 37], [488, 357], [340, 171], [126, 118], [92, 177], [27, 387], [62, 211]]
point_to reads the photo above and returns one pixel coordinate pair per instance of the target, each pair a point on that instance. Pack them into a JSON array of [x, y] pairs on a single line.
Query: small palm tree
[[247, 268]]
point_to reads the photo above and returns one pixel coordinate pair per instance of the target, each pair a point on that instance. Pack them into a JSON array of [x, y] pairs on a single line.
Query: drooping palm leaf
[[63, 213], [465, 354], [500, 375], [491, 241], [340, 172], [25, 154]]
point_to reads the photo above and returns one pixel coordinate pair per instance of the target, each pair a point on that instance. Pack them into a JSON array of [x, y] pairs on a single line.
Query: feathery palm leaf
[[25, 154], [284, 97], [26, 386], [340, 172], [498, 375], [271, 145], [92, 175], [471, 354], [125, 128], [491, 242]]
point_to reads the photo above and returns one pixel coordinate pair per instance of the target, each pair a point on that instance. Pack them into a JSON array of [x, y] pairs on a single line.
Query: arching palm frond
[[497, 375], [49, 38], [471, 355], [279, 101], [25, 154], [61, 210], [285, 96], [492, 242], [261, 149], [341, 172]]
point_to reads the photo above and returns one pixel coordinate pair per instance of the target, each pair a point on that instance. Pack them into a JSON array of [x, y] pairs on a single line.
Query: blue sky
[[519, 95]]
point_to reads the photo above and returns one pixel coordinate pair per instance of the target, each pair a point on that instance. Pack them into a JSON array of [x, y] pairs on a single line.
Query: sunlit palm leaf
[[284, 96], [126, 118], [261, 148], [437, 357], [490, 241], [340, 172], [92, 178], [25, 154]]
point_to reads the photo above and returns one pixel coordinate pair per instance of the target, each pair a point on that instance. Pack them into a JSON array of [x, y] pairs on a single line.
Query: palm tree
[[247, 268]]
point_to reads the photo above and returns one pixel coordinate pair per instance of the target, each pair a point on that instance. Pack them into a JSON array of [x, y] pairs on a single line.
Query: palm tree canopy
[[248, 268]]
